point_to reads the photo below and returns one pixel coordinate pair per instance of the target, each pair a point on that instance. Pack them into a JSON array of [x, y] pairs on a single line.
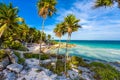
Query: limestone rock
[[73, 75], [8, 75], [14, 58], [15, 67], [34, 75], [4, 63]]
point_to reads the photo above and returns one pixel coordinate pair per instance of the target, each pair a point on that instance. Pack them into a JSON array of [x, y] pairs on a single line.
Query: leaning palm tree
[[8, 18], [45, 8], [105, 3], [71, 23], [59, 31]]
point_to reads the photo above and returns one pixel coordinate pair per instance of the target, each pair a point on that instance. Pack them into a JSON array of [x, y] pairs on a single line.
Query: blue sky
[[98, 24]]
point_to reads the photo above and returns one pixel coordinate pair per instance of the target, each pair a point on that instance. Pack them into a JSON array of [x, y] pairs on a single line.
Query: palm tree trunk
[[41, 38], [58, 52], [0, 42], [66, 55]]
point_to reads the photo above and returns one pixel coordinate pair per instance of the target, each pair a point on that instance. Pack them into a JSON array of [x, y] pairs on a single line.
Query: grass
[[104, 71]]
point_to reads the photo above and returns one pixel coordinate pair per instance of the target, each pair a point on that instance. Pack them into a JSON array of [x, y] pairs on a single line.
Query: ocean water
[[95, 50]]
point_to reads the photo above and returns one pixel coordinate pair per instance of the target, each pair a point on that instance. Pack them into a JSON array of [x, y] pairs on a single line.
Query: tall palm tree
[[59, 31], [72, 25], [100, 3], [8, 18], [45, 8]]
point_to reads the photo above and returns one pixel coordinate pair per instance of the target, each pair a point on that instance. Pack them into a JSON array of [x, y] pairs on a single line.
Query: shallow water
[[96, 50]]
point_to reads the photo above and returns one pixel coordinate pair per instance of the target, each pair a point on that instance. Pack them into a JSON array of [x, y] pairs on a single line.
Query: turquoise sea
[[95, 50]]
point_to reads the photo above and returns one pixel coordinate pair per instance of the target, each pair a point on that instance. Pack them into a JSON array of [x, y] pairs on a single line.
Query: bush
[[44, 56], [14, 45], [17, 54], [104, 71], [20, 60], [2, 54], [78, 61], [32, 55], [22, 48]]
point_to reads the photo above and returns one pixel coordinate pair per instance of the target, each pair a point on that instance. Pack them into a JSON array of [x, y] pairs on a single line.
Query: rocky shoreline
[[31, 70]]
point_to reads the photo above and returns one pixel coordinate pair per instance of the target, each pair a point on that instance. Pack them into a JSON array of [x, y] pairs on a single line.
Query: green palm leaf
[[2, 29], [18, 19]]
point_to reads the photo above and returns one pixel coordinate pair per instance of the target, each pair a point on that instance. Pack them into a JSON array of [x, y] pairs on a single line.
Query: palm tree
[[59, 31], [8, 18], [45, 8], [71, 23], [105, 3]]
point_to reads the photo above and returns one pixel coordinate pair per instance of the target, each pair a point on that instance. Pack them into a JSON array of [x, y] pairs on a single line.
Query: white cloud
[[101, 23]]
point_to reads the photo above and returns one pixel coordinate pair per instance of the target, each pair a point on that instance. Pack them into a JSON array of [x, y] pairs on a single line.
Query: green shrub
[[17, 54], [2, 54], [21, 60], [104, 71], [78, 61], [44, 56], [32, 55], [14, 45], [6, 44], [22, 48]]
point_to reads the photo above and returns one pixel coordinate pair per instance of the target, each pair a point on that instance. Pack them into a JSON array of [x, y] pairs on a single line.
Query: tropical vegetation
[[15, 34]]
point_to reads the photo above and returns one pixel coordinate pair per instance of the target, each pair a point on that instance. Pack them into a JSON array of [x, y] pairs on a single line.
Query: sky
[[97, 24]]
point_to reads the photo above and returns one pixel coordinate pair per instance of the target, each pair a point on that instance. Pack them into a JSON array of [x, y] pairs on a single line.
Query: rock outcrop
[[15, 67]]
